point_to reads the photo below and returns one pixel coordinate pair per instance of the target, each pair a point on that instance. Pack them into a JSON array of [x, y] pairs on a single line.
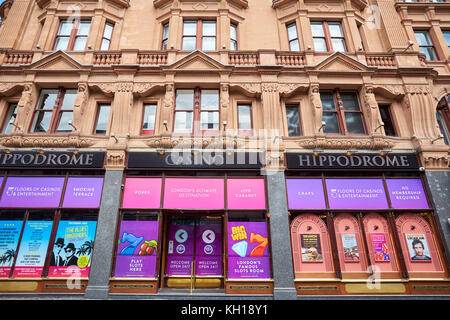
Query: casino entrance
[[193, 251]]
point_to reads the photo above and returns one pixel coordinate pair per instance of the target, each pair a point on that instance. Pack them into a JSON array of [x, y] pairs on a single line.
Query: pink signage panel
[[181, 193], [142, 193], [246, 194]]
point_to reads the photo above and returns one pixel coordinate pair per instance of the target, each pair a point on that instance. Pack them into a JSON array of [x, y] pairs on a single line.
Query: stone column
[[102, 256], [280, 240]]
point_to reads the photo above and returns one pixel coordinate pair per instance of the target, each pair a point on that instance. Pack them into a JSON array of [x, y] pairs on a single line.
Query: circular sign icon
[[83, 261], [208, 249], [208, 236], [181, 235], [180, 249]]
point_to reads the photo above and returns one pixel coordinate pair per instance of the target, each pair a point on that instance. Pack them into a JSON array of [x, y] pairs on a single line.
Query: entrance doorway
[[193, 251]]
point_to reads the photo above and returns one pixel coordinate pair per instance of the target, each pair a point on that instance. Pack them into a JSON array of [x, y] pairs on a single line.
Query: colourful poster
[[142, 193], [72, 249], [356, 194], [181, 193], [32, 192], [246, 194], [418, 247], [83, 193], [180, 251], [350, 246], [248, 252], [305, 194], [33, 249], [9, 238], [208, 250], [407, 194], [137, 249], [380, 247], [311, 248]]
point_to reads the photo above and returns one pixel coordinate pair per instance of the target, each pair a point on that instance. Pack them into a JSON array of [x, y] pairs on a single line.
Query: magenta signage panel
[[246, 194], [142, 193], [208, 250], [407, 194], [181, 193], [305, 194], [356, 194], [83, 193], [180, 250], [32, 192]]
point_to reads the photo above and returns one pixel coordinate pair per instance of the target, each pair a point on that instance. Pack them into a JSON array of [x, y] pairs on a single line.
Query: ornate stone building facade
[[283, 79]]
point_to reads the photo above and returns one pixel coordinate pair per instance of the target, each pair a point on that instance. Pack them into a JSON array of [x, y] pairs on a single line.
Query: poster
[[311, 248], [137, 249], [33, 249], [72, 249], [350, 246], [83, 193], [380, 247], [305, 194], [407, 194], [248, 252], [418, 247], [246, 194], [180, 251], [9, 238], [208, 250]]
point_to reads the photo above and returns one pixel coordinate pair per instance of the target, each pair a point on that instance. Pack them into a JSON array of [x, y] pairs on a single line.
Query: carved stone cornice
[[435, 160], [198, 142], [249, 89], [46, 142], [7, 88], [345, 143], [115, 159], [139, 88]]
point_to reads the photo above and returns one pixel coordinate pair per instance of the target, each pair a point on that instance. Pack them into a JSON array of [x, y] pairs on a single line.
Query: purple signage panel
[[180, 250], [305, 194], [32, 192], [208, 250], [248, 255], [137, 249], [83, 193], [356, 194], [407, 194]]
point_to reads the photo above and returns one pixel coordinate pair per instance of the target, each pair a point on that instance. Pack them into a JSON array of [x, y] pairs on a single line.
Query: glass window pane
[[209, 28], [294, 46], [338, 45], [422, 38], [233, 31], [105, 44], [47, 99], [190, 28], [149, 117], [209, 121], [80, 43], [350, 101], [429, 52], [61, 43], [83, 28], [184, 100], [210, 99], [331, 121], [245, 119], [10, 116], [42, 121], [69, 99], [65, 28], [166, 31], [189, 43], [102, 121], [108, 30], [443, 127], [63, 125], [209, 43], [292, 31], [183, 121], [327, 101], [447, 37], [386, 118], [320, 45], [335, 29], [233, 45], [293, 121], [317, 29], [354, 122]]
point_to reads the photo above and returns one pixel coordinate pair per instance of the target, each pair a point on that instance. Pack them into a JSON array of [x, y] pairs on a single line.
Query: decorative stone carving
[[345, 143], [169, 96], [115, 159], [46, 142], [316, 103], [79, 105], [371, 105], [436, 160]]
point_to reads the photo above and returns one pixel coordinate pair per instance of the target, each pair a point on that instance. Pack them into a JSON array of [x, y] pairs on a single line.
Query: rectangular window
[[245, 119], [107, 34], [293, 121], [385, 112], [148, 124], [294, 44], [101, 125], [446, 34], [233, 37], [72, 35], [54, 111], [342, 113], [184, 110], [209, 111], [443, 118], [199, 35], [328, 36], [425, 44], [165, 37], [11, 115]]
